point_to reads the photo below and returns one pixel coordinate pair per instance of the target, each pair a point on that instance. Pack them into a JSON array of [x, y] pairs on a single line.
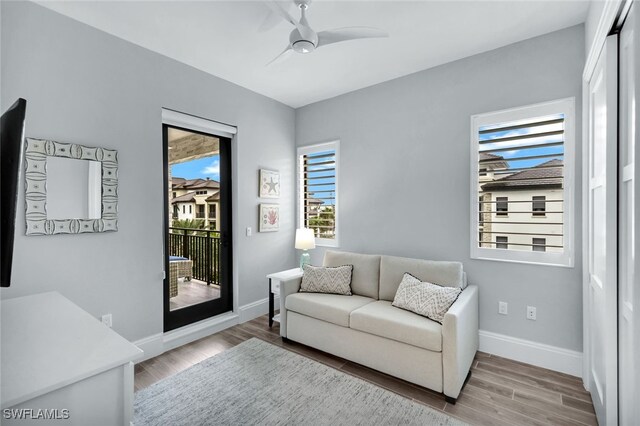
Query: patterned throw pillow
[[319, 279], [423, 298]]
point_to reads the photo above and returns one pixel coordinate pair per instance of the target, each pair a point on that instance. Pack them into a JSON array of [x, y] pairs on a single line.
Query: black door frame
[[191, 314]]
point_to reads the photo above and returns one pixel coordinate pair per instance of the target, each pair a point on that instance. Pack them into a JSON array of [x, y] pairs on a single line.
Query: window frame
[[538, 213], [565, 106], [506, 242], [502, 213], [543, 245], [310, 149]]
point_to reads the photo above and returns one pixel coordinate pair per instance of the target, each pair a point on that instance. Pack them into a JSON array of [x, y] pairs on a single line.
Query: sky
[[322, 184], [208, 167], [518, 150]]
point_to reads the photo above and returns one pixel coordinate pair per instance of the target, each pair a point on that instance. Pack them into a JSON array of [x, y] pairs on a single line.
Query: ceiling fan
[[303, 39]]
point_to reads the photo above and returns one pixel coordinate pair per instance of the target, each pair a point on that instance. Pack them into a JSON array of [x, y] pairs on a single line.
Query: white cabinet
[[59, 362]]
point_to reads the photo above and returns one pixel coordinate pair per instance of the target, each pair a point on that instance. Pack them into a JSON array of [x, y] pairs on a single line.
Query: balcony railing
[[202, 247]]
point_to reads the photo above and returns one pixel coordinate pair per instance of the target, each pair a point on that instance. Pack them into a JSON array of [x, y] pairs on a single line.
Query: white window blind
[[519, 175], [318, 196]]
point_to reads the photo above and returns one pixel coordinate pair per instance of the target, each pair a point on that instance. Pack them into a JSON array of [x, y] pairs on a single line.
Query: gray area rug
[[259, 383]]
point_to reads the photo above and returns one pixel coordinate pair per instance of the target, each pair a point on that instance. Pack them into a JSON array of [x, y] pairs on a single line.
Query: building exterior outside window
[[199, 199], [502, 242], [539, 244]]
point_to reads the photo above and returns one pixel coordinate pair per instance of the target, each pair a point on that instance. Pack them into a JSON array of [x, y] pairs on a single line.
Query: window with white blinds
[[318, 191], [522, 175]]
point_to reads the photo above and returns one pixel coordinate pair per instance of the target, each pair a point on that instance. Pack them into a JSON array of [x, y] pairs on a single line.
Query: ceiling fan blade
[[270, 21], [349, 33], [282, 12], [302, 26], [282, 56]]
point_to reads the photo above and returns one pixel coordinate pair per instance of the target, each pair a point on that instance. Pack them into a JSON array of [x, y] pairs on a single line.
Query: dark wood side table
[[274, 288]]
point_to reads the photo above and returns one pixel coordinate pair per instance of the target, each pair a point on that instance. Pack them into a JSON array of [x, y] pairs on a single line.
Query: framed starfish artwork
[[269, 184]]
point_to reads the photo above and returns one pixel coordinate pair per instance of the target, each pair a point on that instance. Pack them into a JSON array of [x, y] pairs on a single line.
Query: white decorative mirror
[[70, 188]]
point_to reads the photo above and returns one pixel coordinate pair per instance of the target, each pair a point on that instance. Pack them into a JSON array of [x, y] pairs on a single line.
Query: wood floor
[[192, 292], [499, 392]]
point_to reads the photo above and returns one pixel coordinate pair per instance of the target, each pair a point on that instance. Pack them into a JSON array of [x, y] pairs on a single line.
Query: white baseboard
[[198, 330], [534, 353], [150, 345], [256, 309], [159, 343]]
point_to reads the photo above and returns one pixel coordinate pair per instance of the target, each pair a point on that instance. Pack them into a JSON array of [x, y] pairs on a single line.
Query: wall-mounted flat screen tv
[[11, 148]]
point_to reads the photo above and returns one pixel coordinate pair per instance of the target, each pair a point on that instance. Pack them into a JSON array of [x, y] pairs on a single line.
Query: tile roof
[[485, 156], [182, 183], [540, 176], [189, 197], [213, 197]]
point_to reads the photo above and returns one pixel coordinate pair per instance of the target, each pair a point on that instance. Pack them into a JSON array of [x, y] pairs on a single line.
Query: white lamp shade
[[305, 239]]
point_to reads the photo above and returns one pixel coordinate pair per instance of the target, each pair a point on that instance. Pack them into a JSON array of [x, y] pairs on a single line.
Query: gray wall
[[404, 178], [85, 86]]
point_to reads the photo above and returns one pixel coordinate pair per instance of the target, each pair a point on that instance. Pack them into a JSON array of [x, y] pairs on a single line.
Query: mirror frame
[[36, 153]]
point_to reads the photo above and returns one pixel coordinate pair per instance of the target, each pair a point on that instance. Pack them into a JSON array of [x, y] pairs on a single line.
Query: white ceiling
[[223, 37]]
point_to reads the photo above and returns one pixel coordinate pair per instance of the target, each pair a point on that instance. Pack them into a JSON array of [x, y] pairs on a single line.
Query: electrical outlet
[[107, 320], [249, 231], [502, 308], [531, 313]]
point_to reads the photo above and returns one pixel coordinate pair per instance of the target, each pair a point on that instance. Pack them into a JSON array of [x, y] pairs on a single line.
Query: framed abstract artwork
[[269, 184], [269, 217]]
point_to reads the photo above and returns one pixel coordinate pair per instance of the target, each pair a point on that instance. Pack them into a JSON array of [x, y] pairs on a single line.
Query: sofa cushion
[[424, 298], [325, 279], [333, 308], [392, 269], [366, 271], [384, 320]]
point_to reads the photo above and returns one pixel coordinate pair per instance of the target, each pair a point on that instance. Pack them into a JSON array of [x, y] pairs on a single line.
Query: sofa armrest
[[459, 340], [287, 287]]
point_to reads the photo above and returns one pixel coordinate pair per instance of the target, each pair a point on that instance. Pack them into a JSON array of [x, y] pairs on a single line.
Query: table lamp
[[305, 240]]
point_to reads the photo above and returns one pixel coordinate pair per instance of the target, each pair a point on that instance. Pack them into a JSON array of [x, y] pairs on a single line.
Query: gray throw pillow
[[323, 279], [424, 298]]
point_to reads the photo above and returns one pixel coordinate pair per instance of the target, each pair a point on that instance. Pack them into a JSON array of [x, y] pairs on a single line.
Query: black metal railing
[[202, 247]]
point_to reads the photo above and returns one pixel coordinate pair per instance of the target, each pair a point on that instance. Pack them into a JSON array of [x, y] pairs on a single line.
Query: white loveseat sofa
[[367, 329]]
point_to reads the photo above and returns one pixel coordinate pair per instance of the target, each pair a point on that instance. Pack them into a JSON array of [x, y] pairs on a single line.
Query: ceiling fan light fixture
[[303, 39], [303, 46]]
